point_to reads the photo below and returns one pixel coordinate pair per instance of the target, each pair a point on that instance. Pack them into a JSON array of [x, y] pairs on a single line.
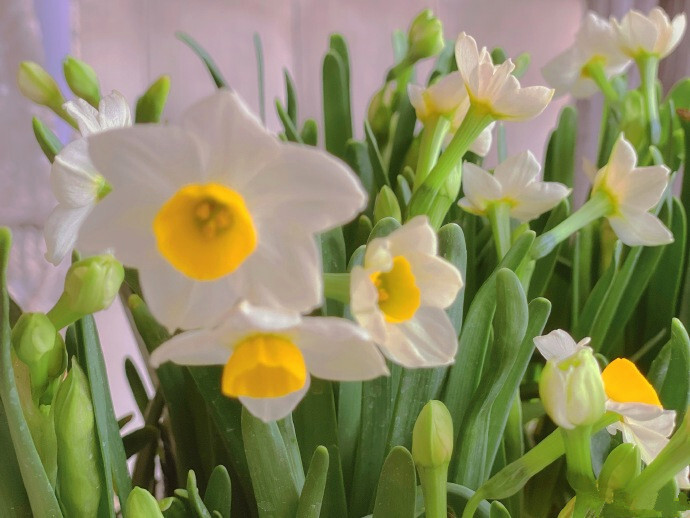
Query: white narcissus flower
[[448, 98], [76, 183], [218, 210], [632, 191], [640, 35], [595, 44], [515, 182], [399, 294], [269, 355], [494, 88]]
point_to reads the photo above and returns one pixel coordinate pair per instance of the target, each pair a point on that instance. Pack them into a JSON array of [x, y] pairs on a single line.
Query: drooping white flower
[[595, 44], [448, 98], [76, 183], [494, 88], [632, 192], [515, 182], [269, 355], [399, 294], [217, 210], [655, 34]]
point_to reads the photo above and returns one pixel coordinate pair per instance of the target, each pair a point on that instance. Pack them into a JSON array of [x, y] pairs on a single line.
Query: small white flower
[[652, 34], [515, 182], [399, 296], [218, 210], [633, 191], [595, 42], [448, 98], [76, 183], [269, 355], [495, 88]]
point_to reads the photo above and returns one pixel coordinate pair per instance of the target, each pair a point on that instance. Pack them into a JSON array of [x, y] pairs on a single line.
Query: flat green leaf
[[311, 499], [259, 54], [498, 510], [404, 133], [14, 502], [543, 269], [47, 140], [336, 104], [194, 498], [136, 440], [378, 167], [290, 130], [211, 66], [458, 496], [560, 157], [383, 227], [150, 105], [310, 133], [395, 494], [136, 385], [218, 495], [290, 97], [357, 157]]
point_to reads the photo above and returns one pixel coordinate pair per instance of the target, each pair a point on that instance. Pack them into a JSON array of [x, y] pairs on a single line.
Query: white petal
[[448, 93], [482, 145], [415, 94], [378, 256], [515, 172], [479, 186], [467, 58], [414, 236], [621, 162], [437, 279], [677, 32], [246, 318], [537, 198], [563, 71], [589, 169], [649, 436], [558, 345], [651, 416], [73, 177], [524, 103], [272, 409], [636, 228], [202, 347], [85, 115], [113, 112], [307, 187], [62, 229], [236, 145], [426, 340], [364, 304], [336, 349], [643, 187]]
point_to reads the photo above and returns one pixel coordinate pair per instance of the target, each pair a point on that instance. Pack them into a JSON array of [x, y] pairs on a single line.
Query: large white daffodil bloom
[[218, 210], [269, 355], [399, 294], [595, 50], [494, 88], [448, 98], [643, 421], [640, 35], [76, 183], [632, 191], [515, 182]]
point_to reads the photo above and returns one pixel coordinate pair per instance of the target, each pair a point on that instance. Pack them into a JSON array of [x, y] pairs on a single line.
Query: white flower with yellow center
[[654, 34], [76, 183], [494, 89], [269, 355], [516, 183], [643, 421], [594, 56], [218, 210], [448, 98], [399, 294]]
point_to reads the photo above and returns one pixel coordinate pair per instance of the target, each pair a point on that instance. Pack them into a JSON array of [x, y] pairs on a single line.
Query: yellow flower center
[[624, 383], [205, 231], [398, 294], [264, 366]]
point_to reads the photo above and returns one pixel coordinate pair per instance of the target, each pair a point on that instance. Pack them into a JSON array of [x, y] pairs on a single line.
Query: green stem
[[61, 315], [433, 482], [595, 70], [336, 286], [580, 474], [433, 135], [499, 217], [598, 206], [649, 66]]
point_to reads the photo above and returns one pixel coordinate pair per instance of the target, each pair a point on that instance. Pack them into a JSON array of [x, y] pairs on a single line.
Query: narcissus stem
[[336, 286]]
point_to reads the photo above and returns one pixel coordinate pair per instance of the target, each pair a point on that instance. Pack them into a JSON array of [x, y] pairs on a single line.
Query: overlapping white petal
[[333, 348], [515, 182], [74, 179], [427, 338], [291, 193], [654, 33], [633, 191], [595, 40], [559, 345], [494, 87]]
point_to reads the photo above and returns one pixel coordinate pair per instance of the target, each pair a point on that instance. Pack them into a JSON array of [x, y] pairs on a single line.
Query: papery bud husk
[[432, 436], [142, 504]]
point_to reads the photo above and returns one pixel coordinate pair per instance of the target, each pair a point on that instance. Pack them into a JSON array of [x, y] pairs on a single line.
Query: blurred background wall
[[131, 42]]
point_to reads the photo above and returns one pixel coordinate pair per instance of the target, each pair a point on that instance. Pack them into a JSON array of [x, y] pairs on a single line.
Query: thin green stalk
[[499, 217], [433, 483], [649, 66], [433, 135], [336, 286], [596, 72]]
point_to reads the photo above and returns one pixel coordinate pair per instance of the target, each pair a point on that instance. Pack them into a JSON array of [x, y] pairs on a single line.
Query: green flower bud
[[150, 105], [572, 390], [82, 80], [386, 205], [380, 111], [425, 37], [37, 85], [79, 482], [620, 467], [141, 504], [90, 286], [39, 345], [432, 436]]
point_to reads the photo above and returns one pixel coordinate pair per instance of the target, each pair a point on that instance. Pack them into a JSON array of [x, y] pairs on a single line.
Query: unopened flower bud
[[150, 105], [141, 504], [425, 37], [79, 482], [572, 390], [386, 205], [38, 345], [432, 436], [82, 80], [620, 467], [380, 111], [37, 85]]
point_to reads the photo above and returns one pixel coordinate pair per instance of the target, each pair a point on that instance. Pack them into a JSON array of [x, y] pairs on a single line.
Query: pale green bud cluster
[[82, 80], [432, 436], [37, 85], [425, 36]]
